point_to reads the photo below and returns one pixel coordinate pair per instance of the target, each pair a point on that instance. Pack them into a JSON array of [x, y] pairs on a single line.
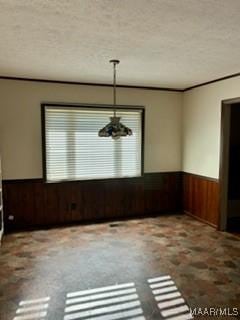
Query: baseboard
[[200, 219], [93, 222]]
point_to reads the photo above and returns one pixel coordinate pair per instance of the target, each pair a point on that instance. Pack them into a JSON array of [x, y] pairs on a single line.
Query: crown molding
[[121, 85], [212, 81], [91, 84]]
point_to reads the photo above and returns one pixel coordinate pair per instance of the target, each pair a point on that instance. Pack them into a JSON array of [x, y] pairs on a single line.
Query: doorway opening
[[230, 166]]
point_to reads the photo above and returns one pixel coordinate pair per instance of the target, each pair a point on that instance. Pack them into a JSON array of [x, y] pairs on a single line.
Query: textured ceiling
[[167, 43]]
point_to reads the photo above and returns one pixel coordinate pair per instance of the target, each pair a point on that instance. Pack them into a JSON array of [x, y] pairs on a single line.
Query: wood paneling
[[34, 203], [201, 198]]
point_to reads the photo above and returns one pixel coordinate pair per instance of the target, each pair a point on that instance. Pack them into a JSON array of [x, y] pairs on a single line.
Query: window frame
[[90, 106]]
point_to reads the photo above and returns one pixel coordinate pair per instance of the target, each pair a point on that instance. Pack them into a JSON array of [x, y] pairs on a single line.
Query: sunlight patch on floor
[[114, 302], [119, 301], [170, 301], [32, 309]]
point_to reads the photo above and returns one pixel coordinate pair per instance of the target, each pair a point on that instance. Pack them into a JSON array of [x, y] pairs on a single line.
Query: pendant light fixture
[[114, 128]]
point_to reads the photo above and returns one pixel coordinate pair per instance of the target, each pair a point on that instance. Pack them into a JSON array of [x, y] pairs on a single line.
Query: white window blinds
[[74, 151]]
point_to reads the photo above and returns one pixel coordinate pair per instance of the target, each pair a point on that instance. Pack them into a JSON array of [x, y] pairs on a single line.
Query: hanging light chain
[[114, 88], [115, 62]]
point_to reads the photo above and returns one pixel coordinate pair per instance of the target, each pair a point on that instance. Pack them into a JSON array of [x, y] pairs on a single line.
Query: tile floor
[[59, 266]]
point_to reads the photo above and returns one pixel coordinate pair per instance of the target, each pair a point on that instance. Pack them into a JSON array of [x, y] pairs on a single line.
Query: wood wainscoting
[[32, 203], [201, 198]]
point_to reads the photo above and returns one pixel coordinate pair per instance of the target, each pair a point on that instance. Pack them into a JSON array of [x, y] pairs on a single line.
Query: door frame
[[224, 160]]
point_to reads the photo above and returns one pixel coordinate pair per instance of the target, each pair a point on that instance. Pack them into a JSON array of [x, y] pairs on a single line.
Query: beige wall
[[201, 125], [20, 123]]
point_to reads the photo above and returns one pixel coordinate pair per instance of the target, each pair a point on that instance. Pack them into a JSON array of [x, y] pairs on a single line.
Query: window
[[74, 151]]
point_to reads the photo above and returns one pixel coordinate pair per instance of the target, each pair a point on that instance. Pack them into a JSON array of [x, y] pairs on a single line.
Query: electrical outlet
[[11, 217]]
